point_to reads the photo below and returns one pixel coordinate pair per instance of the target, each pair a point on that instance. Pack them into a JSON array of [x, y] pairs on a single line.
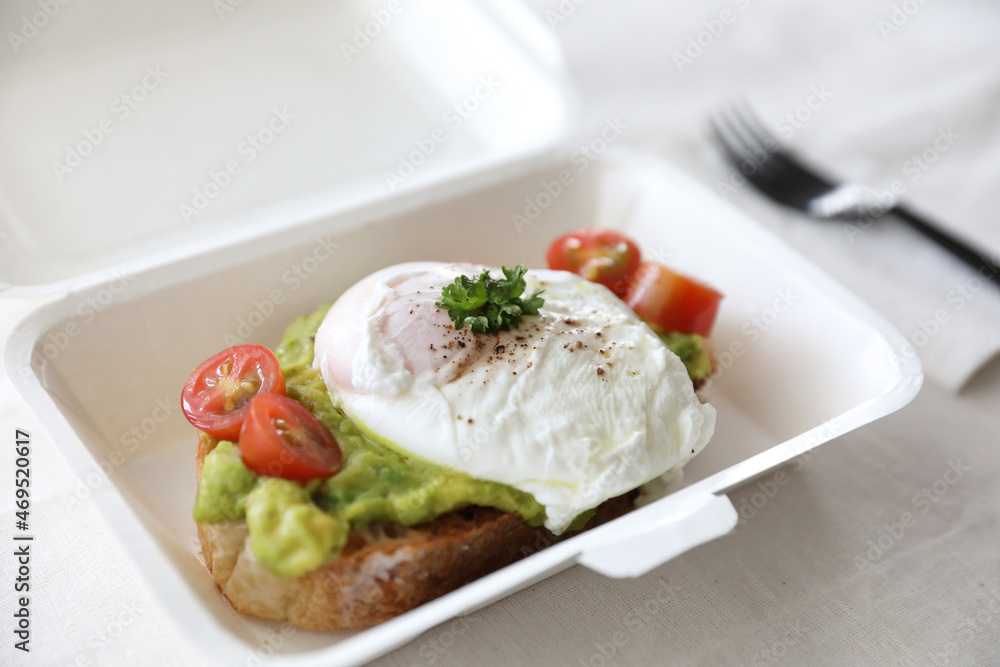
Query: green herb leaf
[[486, 305]]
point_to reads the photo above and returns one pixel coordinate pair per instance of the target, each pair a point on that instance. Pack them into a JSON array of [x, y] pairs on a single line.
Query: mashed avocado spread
[[295, 528], [691, 349]]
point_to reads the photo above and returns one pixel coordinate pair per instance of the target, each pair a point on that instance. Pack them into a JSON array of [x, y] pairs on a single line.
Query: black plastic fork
[[785, 178]]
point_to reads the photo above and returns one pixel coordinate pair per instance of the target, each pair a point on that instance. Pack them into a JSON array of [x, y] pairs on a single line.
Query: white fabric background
[[798, 583]]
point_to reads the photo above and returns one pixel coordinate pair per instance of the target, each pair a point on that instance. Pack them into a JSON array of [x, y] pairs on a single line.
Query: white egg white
[[580, 404]]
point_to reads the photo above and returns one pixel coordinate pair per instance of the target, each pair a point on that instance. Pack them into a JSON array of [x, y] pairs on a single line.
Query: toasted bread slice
[[385, 569]]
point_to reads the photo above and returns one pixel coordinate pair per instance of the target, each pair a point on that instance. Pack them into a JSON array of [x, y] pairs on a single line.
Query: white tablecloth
[[882, 548]]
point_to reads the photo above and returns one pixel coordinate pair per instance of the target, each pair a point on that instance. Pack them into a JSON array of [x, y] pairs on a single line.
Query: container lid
[[138, 134]]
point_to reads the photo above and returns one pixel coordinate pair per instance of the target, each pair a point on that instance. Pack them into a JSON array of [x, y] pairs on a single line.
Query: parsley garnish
[[488, 306]]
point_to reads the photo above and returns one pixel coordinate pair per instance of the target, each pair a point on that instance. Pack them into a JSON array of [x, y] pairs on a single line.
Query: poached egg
[[580, 404]]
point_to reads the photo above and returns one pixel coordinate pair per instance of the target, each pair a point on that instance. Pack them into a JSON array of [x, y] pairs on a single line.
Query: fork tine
[[748, 157], [751, 121], [731, 142], [806, 175], [763, 145], [731, 146], [778, 174]]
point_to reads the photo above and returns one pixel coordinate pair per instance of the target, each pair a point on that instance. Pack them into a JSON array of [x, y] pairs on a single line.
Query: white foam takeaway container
[[316, 104]]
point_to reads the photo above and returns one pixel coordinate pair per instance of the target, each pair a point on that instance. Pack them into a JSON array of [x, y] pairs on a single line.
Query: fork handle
[[976, 259]]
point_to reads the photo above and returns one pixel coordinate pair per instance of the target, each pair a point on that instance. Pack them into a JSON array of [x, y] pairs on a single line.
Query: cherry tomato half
[[216, 396], [672, 302], [280, 438], [599, 255]]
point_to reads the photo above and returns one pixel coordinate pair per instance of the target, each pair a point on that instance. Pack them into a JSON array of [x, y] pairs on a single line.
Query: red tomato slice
[[599, 255], [672, 302], [280, 438], [216, 396]]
